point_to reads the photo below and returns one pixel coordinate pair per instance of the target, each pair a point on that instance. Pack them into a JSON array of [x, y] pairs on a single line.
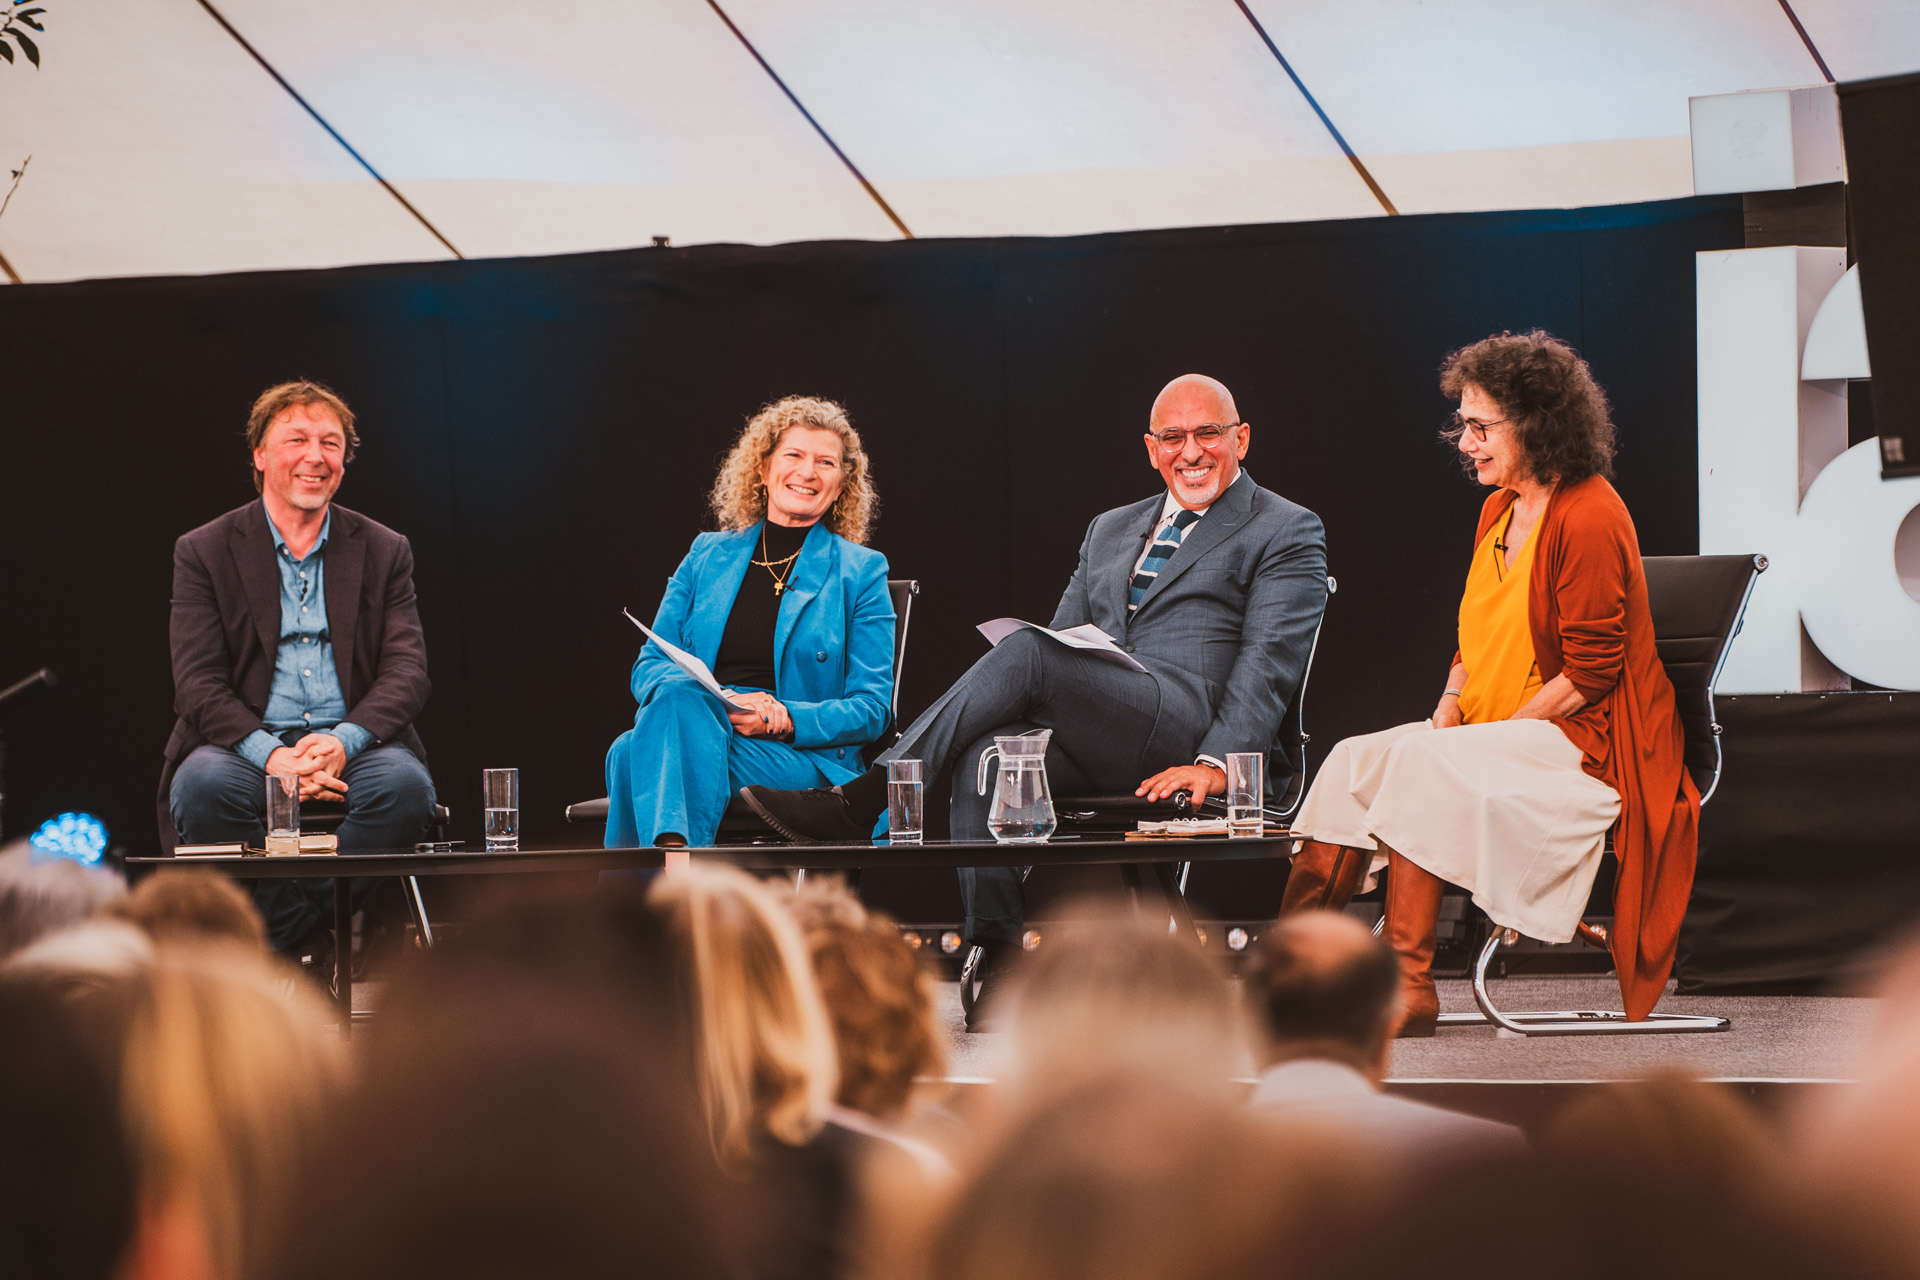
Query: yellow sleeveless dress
[[1495, 642]]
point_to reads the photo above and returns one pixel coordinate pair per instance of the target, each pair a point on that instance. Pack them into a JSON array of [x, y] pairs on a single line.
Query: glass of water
[[500, 797], [1245, 792], [906, 801], [283, 813]]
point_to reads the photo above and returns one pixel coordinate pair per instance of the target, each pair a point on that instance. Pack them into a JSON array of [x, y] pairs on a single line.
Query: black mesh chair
[[1697, 603], [740, 825], [325, 816], [1114, 815]]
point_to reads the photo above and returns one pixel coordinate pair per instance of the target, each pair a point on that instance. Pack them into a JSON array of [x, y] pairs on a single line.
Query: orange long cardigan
[[1587, 609]]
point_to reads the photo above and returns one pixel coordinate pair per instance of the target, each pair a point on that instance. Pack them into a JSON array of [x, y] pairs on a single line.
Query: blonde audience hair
[[176, 905], [877, 994], [229, 1071], [764, 1051], [739, 497]]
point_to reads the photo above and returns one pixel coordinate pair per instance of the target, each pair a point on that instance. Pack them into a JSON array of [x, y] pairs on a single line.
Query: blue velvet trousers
[[680, 764], [219, 796]]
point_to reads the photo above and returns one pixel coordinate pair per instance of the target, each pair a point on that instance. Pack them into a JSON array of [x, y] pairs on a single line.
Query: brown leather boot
[[1324, 876], [1413, 916]]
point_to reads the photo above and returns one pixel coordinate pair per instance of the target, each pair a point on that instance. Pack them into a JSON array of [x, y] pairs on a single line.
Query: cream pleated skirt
[[1503, 810]]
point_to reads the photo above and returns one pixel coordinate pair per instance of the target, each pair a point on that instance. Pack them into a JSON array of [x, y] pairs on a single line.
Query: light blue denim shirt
[[306, 686]]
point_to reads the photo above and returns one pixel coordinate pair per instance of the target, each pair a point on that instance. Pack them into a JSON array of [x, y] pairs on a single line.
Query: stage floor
[[1774, 1038]]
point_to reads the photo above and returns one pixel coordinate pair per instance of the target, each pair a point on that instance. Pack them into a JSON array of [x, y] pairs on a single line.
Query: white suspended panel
[[1061, 117], [1514, 104], [573, 125], [1861, 39], [159, 146]]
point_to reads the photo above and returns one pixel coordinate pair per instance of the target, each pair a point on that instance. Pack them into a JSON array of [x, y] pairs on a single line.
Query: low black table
[[1159, 855]]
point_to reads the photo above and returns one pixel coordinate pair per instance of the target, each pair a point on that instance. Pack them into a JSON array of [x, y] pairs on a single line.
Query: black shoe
[[818, 815], [996, 959]]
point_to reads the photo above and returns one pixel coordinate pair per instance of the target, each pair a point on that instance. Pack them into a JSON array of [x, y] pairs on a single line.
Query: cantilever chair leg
[[417, 909], [1567, 1022]]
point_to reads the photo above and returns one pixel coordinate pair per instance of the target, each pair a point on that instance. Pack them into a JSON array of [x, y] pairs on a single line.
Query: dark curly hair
[[1559, 413]]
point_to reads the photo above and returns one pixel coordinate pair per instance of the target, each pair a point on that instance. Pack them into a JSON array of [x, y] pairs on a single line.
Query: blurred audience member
[[879, 999], [1112, 992], [230, 1072], [66, 1176], [82, 958], [526, 1110], [1141, 1176], [1323, 995], [878, 996], [177, 905], [766, 1070], [41, 897]]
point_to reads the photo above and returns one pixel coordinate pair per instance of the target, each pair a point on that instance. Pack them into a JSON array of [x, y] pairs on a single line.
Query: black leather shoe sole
[[784, 830]]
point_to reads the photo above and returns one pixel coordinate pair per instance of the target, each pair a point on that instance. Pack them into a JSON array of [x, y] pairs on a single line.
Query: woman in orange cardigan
[[1558, 721]]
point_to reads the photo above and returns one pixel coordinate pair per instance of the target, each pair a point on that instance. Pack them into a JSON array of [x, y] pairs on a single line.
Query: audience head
[[67, 1182], [86, 957], [878, 998], [1319, 985], [523, 1110], [299, 407], [42, 897], [229, 1074], [1110, 992], [765, 1064], [844, 498], [192, 906], [1554, 424], [1139, 1176]]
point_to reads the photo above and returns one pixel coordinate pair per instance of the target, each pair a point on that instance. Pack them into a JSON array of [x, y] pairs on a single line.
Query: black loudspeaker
[[1881, 122]]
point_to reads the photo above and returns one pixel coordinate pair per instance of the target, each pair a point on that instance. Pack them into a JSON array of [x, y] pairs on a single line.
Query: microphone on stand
[[41, 679]]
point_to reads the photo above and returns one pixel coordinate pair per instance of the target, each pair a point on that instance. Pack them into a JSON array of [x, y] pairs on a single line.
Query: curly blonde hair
[[739, 499]]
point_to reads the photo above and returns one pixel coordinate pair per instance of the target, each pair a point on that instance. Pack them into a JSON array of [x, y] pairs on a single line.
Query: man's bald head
[[1321, 985], [1197, 395]]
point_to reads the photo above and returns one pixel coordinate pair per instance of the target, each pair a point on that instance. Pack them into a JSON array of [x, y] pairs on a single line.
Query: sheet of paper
[[1086, 637], [689, 664]]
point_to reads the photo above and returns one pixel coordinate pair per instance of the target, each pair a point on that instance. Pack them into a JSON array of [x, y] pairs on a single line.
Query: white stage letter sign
[[1842, 593]]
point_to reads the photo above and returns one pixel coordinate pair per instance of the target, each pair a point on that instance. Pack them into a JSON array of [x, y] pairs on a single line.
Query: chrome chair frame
[[331, 816], [1608, 1022]]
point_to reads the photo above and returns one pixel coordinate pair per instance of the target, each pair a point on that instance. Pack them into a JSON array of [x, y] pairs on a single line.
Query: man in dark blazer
[[1215, 586], [296, 650]]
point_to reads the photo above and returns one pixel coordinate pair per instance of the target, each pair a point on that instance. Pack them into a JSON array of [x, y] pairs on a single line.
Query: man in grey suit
[[1215, 586], [1323, 996]]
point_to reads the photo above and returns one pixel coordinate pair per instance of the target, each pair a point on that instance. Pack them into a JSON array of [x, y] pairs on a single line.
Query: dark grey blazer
[[225, 633], [1226, 627]]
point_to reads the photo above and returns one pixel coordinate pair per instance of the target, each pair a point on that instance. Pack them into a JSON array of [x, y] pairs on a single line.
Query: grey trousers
[[1103, 719]]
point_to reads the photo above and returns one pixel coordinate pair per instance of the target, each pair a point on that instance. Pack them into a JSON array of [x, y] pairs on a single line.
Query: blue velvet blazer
[[832, 641]]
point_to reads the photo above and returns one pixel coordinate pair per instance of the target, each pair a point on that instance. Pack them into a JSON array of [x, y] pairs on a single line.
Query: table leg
[[343, 953]]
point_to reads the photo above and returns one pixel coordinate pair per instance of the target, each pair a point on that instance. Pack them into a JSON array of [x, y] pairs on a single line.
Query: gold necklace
[[779, 579]]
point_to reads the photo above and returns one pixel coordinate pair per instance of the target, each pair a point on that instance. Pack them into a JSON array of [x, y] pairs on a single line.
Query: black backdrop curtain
[[544, 430]]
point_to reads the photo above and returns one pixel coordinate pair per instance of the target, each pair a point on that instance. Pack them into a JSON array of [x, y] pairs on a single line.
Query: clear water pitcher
[[1022, 811]]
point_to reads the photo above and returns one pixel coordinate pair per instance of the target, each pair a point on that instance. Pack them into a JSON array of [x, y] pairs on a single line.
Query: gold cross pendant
[[778, 587]]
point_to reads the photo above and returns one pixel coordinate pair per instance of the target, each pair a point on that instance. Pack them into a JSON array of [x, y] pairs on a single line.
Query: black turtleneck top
[[745, 660]]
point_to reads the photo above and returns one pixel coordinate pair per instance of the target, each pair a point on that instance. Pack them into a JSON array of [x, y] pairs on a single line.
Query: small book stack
[[319, 842], [1192, 828]]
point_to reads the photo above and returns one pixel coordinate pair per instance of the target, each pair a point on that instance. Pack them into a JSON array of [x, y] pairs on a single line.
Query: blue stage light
[[78, 837]]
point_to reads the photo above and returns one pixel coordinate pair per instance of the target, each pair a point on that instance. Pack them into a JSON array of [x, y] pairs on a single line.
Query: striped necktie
[[1157, 556]]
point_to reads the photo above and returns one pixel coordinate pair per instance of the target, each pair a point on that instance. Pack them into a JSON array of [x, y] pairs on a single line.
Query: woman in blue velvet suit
[[787, 608]]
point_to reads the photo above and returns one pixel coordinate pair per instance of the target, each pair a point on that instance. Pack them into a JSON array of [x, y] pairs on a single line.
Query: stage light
[[1030, 940], [913, 939], [1202, 934], [949, 942], [1237, 939], [77, 837]]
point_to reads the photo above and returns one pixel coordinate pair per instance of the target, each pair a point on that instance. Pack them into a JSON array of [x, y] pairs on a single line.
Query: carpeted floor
[[1773, 1037]]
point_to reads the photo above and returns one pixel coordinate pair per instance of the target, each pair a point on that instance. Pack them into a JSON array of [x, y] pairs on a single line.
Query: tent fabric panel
[[1862, 39], [159, 146]]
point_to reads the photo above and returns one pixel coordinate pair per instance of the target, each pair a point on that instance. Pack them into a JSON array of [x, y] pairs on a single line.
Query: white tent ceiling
[[160, 145]]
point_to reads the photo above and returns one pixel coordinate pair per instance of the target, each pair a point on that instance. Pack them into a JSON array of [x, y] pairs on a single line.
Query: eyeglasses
[[1207, 437], [1458, 425]]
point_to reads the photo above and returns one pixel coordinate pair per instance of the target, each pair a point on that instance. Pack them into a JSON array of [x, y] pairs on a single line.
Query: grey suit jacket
[[1226, 627]]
